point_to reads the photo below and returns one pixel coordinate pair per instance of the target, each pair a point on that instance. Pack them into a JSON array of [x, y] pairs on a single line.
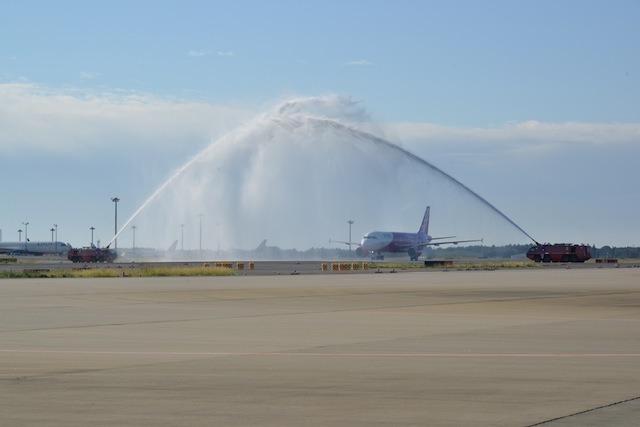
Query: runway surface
[[508, 347]]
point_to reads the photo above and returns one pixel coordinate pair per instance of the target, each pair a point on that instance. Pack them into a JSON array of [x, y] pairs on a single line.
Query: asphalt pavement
[[524, 347]]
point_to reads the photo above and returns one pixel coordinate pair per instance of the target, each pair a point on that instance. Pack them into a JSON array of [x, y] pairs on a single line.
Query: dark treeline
[[438, 252], [614, 252], [476, 251], [509, 251]]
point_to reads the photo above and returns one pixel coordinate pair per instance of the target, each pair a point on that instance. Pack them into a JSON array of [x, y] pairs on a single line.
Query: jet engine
[[414, 253], [360, 252]]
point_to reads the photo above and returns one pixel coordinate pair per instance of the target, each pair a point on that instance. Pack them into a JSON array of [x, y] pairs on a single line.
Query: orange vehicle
[[559, 252]]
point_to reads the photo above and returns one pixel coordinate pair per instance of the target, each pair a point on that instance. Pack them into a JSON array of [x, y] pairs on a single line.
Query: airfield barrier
[[345, 266], [8, 260], [223, 264], [239, 265]]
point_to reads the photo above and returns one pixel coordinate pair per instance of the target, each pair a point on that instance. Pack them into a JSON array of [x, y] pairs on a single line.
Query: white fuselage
[[390, 241], [36, 248]]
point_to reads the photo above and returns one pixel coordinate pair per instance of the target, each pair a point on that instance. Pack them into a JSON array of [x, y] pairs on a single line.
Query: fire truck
[[559, 252], [92, 254]]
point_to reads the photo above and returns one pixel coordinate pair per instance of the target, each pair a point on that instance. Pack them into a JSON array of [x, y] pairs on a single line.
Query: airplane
[[376, 243], [173, 246], [147, 254], [35, 248], [260, 251]]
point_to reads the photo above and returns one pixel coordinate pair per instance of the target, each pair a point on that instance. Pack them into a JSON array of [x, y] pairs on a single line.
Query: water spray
[[445, 175], [155, 194], [307, 157]]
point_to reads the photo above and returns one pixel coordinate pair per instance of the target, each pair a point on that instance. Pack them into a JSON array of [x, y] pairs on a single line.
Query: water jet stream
[[417, 159], [153, 196], [297, 172]]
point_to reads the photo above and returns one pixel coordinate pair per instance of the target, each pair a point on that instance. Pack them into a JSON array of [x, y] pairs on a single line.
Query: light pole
[[182, 237], [52, 230], [26, 235], [218, 226], [116, 200], [350, 222], [19, 235], [56, 227], [200, 247], [133, 227], [92, 228]]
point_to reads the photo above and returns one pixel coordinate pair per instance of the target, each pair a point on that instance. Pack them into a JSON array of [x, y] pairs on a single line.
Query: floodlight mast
[[115, 200], [26, 236]]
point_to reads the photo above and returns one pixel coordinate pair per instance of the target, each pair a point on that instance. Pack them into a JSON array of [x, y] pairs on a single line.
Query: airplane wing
[[453, 242], [401, 247], [346, 243]]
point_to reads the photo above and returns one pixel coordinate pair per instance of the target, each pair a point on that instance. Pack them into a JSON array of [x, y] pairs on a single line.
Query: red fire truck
[[92, 254], [559, 252]]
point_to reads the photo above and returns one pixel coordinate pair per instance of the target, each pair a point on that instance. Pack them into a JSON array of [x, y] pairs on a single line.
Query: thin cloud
[[71, 121], [199, 53], [203, 53], [88, 75], [526, 132], [358, 62], [515, 142]]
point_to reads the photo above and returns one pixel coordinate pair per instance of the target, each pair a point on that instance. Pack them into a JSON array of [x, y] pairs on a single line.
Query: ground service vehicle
[[92, 255], [559, 252]]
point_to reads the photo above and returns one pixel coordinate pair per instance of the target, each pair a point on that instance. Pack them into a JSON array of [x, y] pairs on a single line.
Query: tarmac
[[554, 347]]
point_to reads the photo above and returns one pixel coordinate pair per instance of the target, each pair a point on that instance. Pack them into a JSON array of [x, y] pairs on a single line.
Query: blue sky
[[534, 105]]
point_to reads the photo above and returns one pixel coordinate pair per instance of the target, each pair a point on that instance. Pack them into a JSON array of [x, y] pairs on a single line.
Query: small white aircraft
[[35, 248], [376, 243]]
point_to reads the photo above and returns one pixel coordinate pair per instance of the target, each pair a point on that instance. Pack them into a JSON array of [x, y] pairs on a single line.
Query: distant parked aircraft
[[35, 248], [173, 247], [259, 251]]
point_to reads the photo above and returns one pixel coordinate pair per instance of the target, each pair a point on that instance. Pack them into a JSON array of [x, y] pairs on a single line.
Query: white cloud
[[199, 53], [33, 116], [88, 75], [72, 121], [358, 62], [202, 53], [520, 136]]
